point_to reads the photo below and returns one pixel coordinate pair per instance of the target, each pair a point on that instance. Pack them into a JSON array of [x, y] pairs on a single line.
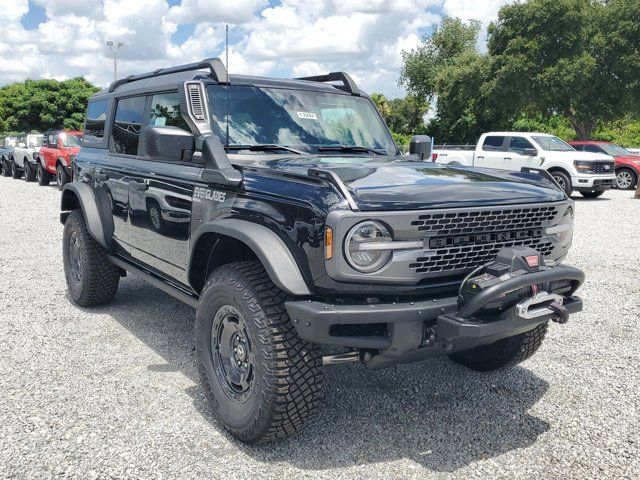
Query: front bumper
[[412, 331], [593, 182]]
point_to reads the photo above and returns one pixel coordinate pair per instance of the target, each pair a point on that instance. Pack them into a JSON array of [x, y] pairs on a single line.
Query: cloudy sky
[[67, 38]]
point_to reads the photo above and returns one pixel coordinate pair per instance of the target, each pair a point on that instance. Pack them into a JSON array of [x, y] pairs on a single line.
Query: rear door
[[160, 197], [491, 153]]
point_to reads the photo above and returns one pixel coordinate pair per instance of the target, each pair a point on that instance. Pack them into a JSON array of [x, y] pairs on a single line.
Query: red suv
[[54, 159], [627, 164]]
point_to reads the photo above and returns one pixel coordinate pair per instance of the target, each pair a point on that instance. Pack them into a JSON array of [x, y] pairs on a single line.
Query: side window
[[519, 144], [165, 110], [579, 148], [127, 124], [53, 141], [96, 116], [592, 148], [492, 144]]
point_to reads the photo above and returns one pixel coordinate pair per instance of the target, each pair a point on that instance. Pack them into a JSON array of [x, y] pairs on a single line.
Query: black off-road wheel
[[29, 172], [563, 180], [92, 279], [262, 381], [15, 171], [43, 177], [155, 216], [592, 194], [61, 177], [503, 353], [6, 168]]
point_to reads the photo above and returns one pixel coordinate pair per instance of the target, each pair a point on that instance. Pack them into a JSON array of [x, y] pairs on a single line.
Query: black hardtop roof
[[158, 80]]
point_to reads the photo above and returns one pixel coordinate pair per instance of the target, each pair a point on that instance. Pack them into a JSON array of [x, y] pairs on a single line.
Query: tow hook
[[562, 314]]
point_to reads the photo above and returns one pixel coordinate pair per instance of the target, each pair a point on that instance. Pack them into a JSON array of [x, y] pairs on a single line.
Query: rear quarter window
[[95, 121]]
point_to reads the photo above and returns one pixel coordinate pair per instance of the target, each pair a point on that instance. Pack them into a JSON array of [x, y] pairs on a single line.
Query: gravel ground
[[113, 392]]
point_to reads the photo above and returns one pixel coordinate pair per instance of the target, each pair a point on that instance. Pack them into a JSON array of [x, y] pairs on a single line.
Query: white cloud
[[294, 37]]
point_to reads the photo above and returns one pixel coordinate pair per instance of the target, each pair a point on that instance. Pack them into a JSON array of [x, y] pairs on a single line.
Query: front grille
[[602, 167], [467, 239]]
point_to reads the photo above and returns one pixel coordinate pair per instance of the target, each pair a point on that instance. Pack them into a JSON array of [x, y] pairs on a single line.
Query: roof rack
[[215, 65], [349, 85]]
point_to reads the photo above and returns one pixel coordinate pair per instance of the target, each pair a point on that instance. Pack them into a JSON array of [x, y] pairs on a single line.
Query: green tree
[[576, 58], [43, 104]]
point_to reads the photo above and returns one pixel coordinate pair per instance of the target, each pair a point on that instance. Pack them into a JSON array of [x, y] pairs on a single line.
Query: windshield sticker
[[307, 115]]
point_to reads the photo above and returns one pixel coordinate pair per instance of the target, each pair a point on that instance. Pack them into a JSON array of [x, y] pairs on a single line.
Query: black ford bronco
[[284, 213]]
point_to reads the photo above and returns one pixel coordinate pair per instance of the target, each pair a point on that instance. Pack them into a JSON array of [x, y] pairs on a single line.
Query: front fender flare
[[95, 208], [268, 247]]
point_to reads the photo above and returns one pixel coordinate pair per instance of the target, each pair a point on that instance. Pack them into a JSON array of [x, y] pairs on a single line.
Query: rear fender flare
[[94, 204], [268, 247]]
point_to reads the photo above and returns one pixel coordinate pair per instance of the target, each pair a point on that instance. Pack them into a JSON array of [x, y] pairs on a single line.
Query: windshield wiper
[[265, 146], [353, 148]]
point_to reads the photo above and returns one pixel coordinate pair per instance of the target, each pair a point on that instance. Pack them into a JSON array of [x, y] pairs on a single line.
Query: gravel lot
[[113, 392]]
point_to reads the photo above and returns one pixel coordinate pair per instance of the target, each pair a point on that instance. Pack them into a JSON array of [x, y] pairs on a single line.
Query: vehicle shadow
[[435, 413]]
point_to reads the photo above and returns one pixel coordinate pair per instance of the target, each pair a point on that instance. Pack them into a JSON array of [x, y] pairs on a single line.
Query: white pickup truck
[[588, 173]]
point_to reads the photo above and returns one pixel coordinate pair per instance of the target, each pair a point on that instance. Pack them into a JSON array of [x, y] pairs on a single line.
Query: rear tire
[[44, 177], [503, 353], [564, 181], [15, 171], [92, 279], [61, 177], [29, 173], [592, 194], [271, 386]]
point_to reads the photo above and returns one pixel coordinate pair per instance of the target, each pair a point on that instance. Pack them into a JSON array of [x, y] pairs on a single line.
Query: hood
[[578, 155], [396, 184]]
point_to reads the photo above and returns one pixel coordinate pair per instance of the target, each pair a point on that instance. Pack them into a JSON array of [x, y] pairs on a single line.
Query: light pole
[[115, 48]]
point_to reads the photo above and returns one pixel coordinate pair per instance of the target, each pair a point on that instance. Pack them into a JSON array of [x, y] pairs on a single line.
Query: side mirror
[[530, 152], [168, 143], [421, 145]]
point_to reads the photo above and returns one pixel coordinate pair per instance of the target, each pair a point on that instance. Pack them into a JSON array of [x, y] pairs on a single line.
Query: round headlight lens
[[361, 250]]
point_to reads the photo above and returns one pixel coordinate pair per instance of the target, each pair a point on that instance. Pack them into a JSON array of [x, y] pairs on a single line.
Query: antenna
[[226, 115]]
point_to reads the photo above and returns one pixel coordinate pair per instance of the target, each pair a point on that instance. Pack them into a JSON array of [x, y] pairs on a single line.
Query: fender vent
[[195, 101]]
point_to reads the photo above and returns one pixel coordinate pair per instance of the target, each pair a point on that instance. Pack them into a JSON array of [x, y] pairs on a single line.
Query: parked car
[[627, 163], [302, 225], [54, 159], [634, 151], [23, 159], [6, 152], [588, 173]]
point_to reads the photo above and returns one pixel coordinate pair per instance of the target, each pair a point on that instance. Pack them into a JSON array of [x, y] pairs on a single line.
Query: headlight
[[583, 166], [564, 228], [362, 246]]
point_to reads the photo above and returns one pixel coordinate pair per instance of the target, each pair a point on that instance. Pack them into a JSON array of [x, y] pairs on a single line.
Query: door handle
[[507, 158], [480, 158], [138, 185]]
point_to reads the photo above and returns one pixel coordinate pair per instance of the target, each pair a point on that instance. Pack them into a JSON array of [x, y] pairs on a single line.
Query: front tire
[[563, 180], [626, 179], [504, 353], [6, 168], [92, 279], [44, 177], [155, 217], [592, 194], [263, 382]]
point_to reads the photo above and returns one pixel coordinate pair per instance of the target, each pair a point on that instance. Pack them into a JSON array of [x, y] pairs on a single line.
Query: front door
[[160, 198], [518, 154]]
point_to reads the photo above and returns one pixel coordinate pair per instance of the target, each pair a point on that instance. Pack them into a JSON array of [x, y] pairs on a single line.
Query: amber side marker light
[[328, 243]]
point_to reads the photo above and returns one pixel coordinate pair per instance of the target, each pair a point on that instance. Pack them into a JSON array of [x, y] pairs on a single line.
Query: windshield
[[552, 144], [34, 140], [69, 140], [298, 119], [614, 150]]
